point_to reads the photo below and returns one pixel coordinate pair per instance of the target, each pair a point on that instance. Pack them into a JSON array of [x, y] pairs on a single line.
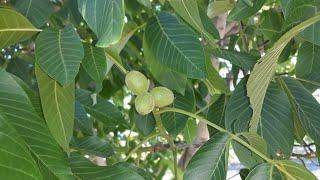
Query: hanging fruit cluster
[[146, 101]]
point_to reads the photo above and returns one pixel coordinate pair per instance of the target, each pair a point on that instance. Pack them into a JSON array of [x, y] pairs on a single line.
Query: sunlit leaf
[[58, 107], [17, 108], [14, 27], [13, 149]]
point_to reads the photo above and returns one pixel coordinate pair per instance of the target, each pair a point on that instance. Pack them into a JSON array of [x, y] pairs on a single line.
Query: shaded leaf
[[186, 54], [190, 131], [37, 11], [276, 110], [189, 11], [242, 11], [16, 161], [82, 121], [211, 31], [84, 169], [20, 113], [107, 113], [305, 106], [213, 76], [146, 175], [241, 59], [102, 110], [318, 152], [294, 170], [105, 18], [216, 113], [92, 145], [244, 173], [271, 23], [308, 64], [14, 29], [211, 160], [264, 171], [296, 11], [145, 124], [175, 122], [264, 70], [246, 157], [59, 53], [94, 62], [21, 68], [58, 107], [167, 77]]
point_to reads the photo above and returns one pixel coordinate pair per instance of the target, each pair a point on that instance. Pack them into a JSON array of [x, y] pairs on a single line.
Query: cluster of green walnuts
[[145, 101]]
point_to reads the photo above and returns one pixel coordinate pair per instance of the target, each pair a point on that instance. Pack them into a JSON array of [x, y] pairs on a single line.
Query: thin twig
[[140, 144]]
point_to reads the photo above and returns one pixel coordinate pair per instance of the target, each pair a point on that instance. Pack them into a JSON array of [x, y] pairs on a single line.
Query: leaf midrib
[[59, 113], [94, 62], [20, 29], [61, 56]]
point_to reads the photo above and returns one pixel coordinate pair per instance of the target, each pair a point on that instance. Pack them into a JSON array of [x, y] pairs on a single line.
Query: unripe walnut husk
[[144, 103], [137, 82], [162, 96]]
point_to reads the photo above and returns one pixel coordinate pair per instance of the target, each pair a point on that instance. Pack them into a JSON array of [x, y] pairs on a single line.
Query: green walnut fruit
[[144, 103], [162, 96], [137, 82]]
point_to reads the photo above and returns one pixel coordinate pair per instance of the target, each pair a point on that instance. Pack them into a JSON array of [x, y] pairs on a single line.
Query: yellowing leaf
[[264, 70]]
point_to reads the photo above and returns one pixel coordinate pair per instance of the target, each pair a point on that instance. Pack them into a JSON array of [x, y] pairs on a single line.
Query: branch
[[163, 147], [232, 136]]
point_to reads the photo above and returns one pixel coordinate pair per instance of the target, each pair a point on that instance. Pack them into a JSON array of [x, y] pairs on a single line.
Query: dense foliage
[[153, 89]]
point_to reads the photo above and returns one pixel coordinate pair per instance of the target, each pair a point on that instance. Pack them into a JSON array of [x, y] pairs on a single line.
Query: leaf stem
[[118, 64], [233, 136], [170, 141], [215, 98], [308, 81]]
